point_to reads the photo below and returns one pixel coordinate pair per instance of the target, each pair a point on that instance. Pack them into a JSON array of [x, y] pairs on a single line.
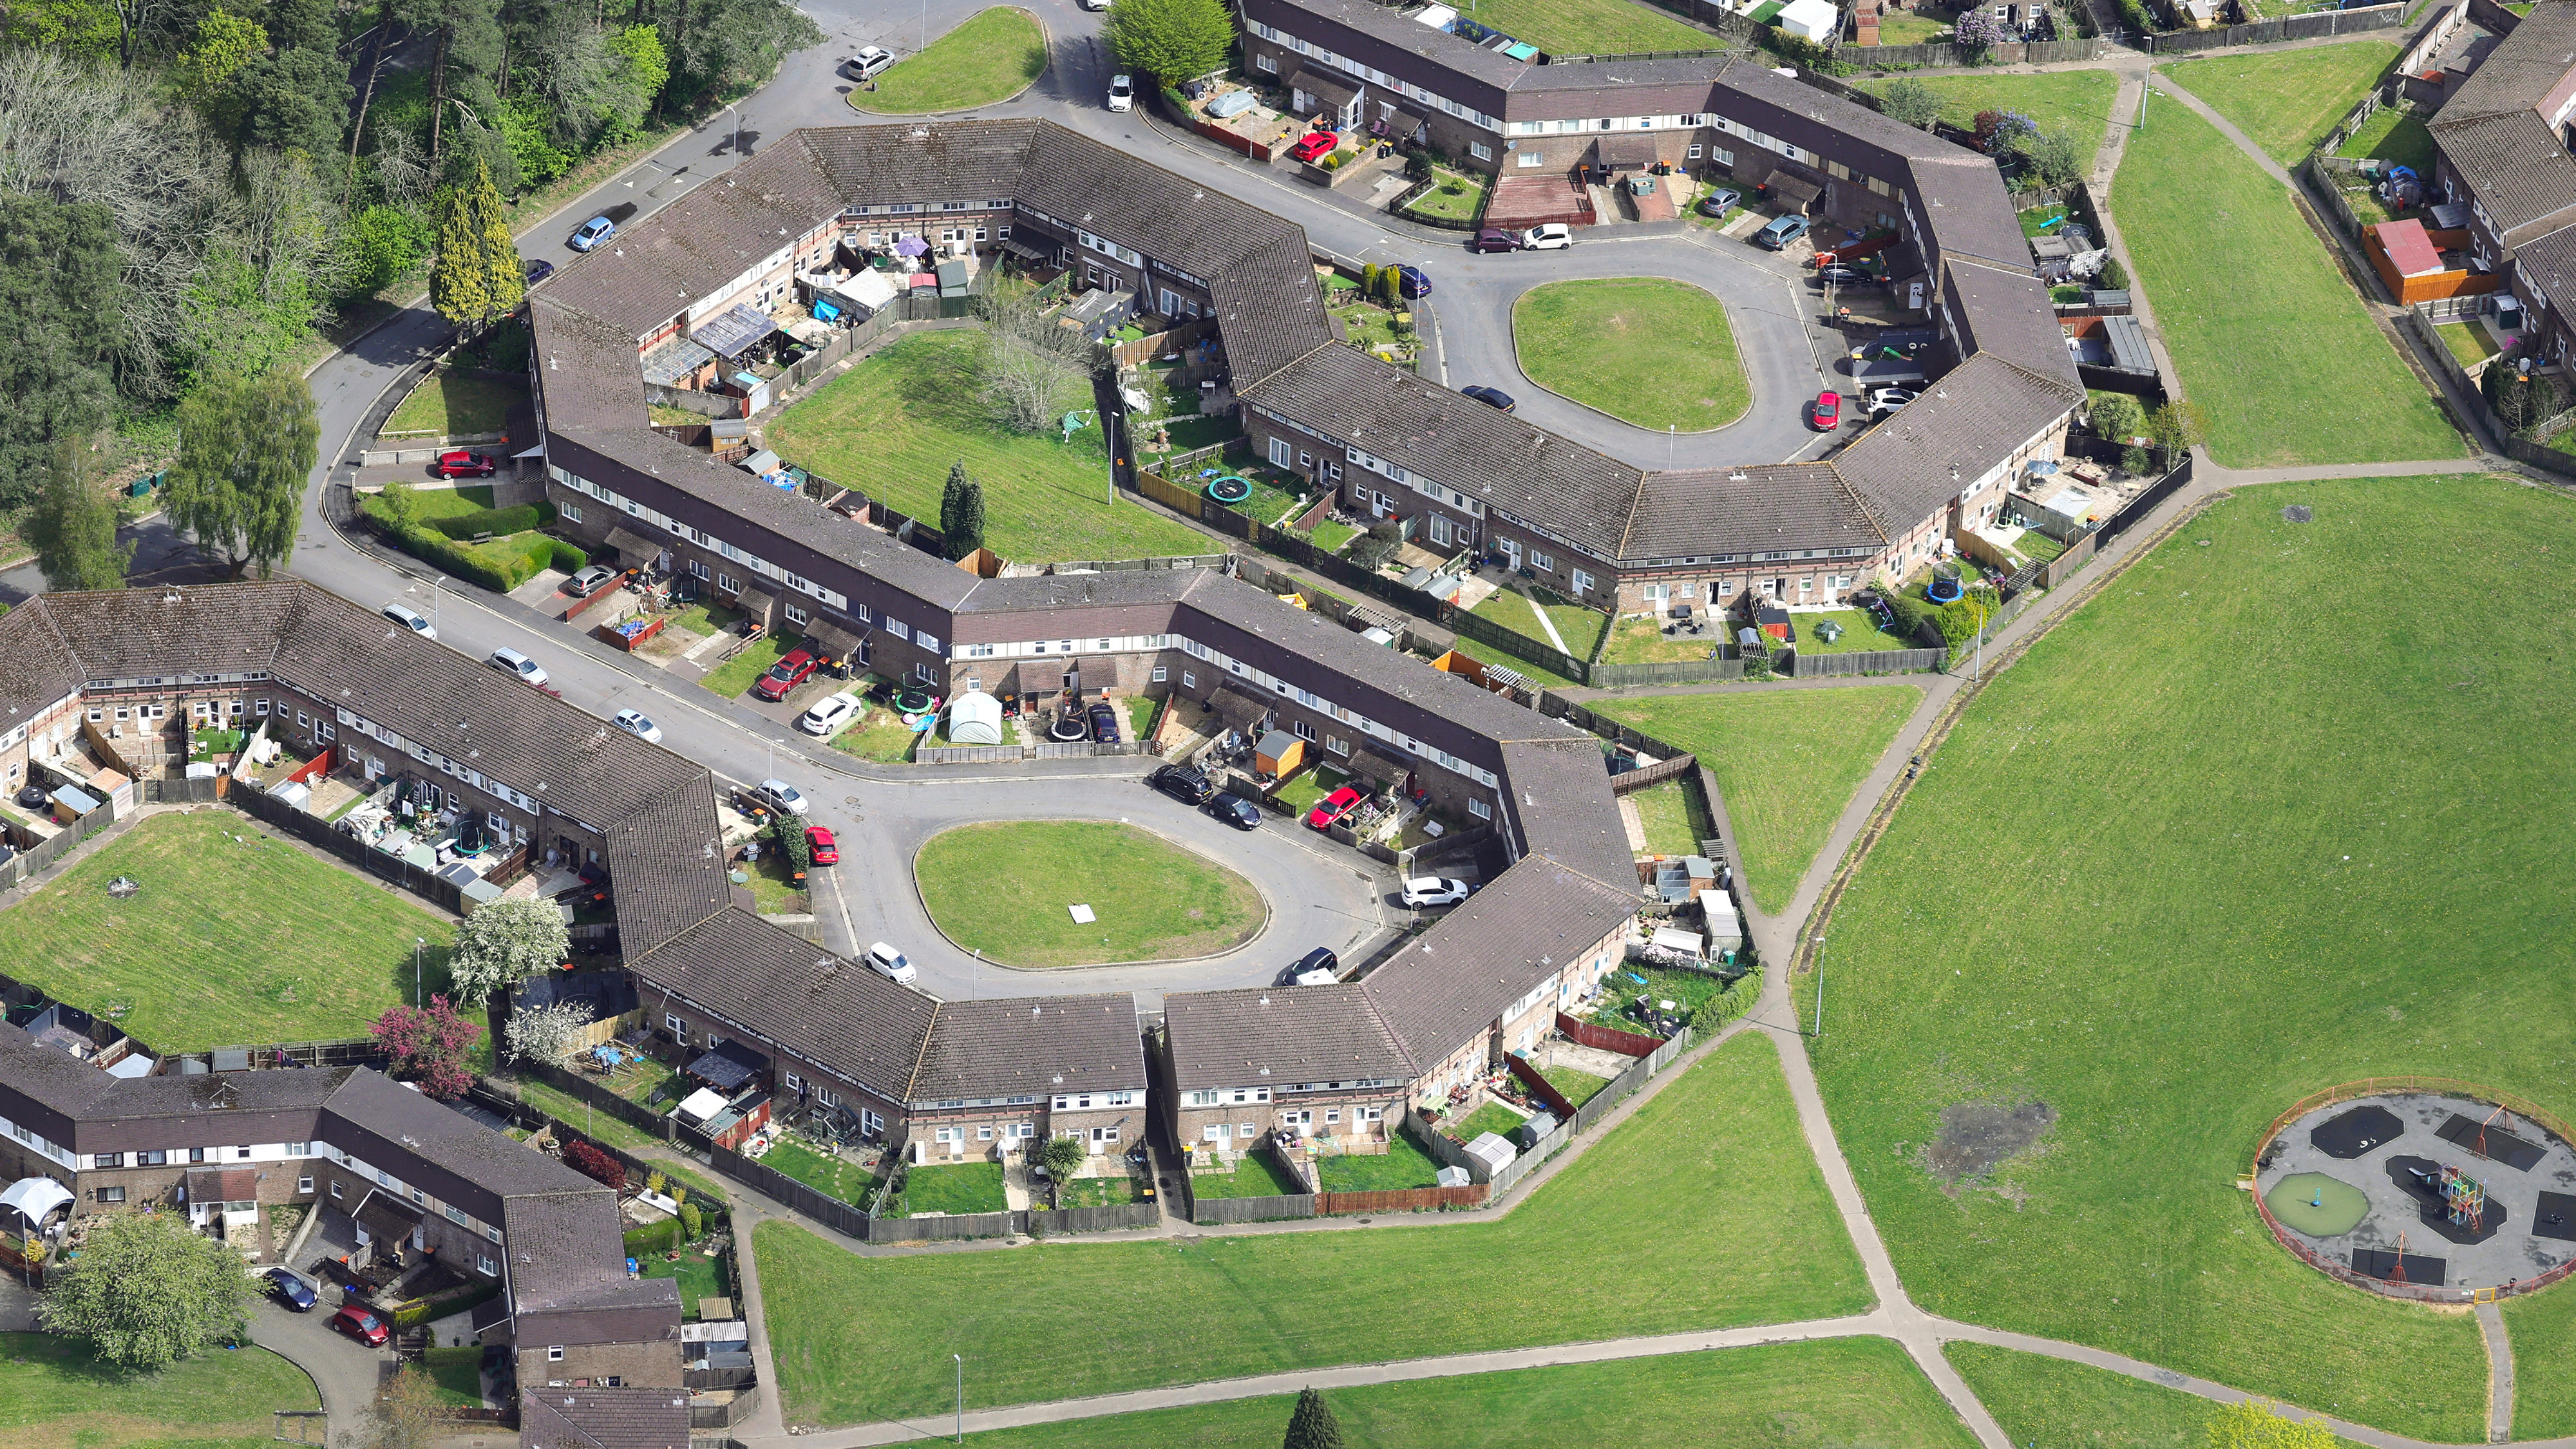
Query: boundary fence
[[853, 1222], [2273, 32], [2533, 449], [30, 862], [314, 830], [1870, 661]]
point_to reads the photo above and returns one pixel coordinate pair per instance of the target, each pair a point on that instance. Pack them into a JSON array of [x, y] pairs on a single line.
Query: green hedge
[[1729, 1004], [497, 522], [569, 557], [537, 552], [447, 1304], [658, 1237]]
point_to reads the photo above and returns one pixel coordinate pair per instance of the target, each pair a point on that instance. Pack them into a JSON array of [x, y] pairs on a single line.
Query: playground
[[2424, 1195]]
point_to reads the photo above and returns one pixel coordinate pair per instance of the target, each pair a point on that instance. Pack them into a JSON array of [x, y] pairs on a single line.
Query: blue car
[[594, 231], [1412, 282], [290, 1289]]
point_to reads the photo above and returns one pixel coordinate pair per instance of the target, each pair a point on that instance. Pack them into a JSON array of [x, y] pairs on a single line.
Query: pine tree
[[477, 275], [968, 536], [73, 527], [1313, 1425], [952, 502]]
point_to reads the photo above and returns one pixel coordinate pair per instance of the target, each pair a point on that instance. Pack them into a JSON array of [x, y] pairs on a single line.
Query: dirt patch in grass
[[1978, 1137]]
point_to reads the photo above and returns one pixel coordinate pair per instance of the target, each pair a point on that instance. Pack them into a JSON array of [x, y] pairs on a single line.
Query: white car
[[829, 714], [889, 963], [1556, 236], [635, 723], [1431, 890], [781, 796], [1889, 399], [412, 619], [1095, 4], [511, 661], [1122, 93], [870, 60]]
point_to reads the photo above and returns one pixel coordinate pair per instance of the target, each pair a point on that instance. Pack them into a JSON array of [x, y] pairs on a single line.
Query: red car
[[827, 851], [785, 675], [361, 1325], [462, 464], [1829, 411], [1315, 147], [1334, 806]]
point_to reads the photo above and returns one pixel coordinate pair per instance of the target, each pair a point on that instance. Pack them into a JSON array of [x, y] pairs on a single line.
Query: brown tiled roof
[[1455, 979], [666, 864], [1706, 512], [2008, 311], [374, 1117], [773, 982], [619, 1418], [651, 273], [36, 666], [568, 1263], [1280, 1036], [1031, 1045], [1910, 466], [164, 633]]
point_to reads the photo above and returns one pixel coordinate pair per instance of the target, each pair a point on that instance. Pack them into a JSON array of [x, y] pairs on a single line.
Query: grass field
[[1666, 813], [2233, 271], [2543, 1330], [458, 1372], [1713, 1169], [54, 1392], [2048, 1403], [1645, 350], [991, 57], [2228, 834], [2391, 135], [1861, 633], [1401, 1166], [1005, 890], [1578, 1086], [1642, 640], [1590, 27], [1785, 761], [901, 417], [1458, 197], [456, 404], [2286, 100], [226, 942], [2077, 101], [1859, 1393]]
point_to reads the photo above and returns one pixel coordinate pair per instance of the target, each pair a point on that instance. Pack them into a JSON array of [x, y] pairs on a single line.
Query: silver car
[[511, 661], [636, 723]]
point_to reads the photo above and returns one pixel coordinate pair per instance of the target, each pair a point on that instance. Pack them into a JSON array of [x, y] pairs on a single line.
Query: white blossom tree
[[503, 943], [546, 1033]]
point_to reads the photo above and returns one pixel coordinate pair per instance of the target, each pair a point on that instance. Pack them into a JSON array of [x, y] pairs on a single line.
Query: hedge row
[[1729, 1004], [442, 1305], [535, 552], [498, 522]]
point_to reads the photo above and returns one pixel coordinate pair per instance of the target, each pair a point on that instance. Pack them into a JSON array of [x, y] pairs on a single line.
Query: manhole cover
[[2299, 513]]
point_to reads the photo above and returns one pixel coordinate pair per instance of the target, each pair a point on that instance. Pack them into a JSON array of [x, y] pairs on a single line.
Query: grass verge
[[1591, 27], [1006, 890], [1645, 350], [1785, 761], [2543, 1331], [2048, 1402], [2172, 903], [992, 57], [2286, 100], [1714, 1164], [55, 1391], [454, 403]]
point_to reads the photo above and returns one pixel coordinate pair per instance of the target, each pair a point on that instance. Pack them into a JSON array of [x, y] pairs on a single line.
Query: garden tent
[[975, 718], [35, 1198]]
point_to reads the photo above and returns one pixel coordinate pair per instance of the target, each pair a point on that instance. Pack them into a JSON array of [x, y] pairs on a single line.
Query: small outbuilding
[[1278, 753], [1814, 20], [1488, 1155], [975, 718]]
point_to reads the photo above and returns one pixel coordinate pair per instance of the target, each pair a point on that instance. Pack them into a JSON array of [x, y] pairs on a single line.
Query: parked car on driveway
[[1122, 93], [582, 585], [1314, 146], [638, 724], [1104, 722], [828, 713], [890, 963], [869, 60], [511, 661], [289, 1289], [1828, 410], [819, 840], [1432, 890], [1716, 202], [361, 1324], [1838, 275], [1236, 811], [1781, 231], [1490, 397], [459, 463], [412, 619], [1328, 812], [785, 675], [593, 233], [1182, 783]]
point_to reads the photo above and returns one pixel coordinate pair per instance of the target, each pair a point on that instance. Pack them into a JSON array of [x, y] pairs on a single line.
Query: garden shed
[[1278, 753], [975, 718], [1488, 1155]]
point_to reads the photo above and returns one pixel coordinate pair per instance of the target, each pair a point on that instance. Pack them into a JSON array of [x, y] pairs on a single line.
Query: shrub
[[2133, 460], [2114, 278], [592, 1163], [653, 1182], [569, 556], [653, 1238], [788, 833], [495, 521], [691, 1222]]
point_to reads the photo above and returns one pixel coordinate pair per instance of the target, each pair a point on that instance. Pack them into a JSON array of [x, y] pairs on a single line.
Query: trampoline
[[1232, 488], [2356, 1132], [2390, 1267], [911, 701], [2317, 1205], [1944, 588]]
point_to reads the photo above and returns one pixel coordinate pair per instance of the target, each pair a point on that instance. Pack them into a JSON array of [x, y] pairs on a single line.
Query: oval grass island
[[994, 56], [1008, 889], [1644, 350]]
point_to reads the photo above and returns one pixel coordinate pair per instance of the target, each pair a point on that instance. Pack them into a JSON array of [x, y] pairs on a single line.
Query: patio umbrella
[[910, 246]]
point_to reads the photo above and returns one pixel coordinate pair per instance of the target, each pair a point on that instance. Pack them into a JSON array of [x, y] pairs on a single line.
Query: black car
[[1490, 397], [1236, 811], [1104, 723], [1320, 959], [290, 1290], [1842, 276], [1182, 783], [539, 270]]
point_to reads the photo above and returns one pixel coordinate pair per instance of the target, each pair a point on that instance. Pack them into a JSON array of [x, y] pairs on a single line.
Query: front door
[[1511, 551]]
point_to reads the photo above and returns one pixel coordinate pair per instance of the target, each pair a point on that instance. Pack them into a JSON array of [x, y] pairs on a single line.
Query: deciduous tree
[[147, 1291], [58, 326], [1911, 102], [1312, 1426], [546, 1033], [411, 1413], [428, 1045], [2178, 425], [502, 944], [246, 445], [2116, 416], [1171, 40], [73, 527]]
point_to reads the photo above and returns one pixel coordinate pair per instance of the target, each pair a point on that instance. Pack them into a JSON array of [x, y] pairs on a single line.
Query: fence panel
[[1095, 1219], [830, 1210], [1210, 1211], [2276, 32], [1608, 1039], [2136, 510], [1688, 671], [1873, 661], [1653, 775], [1404, 1200], [963, 1225], [725, 1415], [573, 1084]]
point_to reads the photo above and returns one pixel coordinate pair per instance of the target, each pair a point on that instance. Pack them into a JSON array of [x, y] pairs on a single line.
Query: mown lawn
[[2076, 101], [900, 418], [739, 673], [2286, 100], [1711, 1170], [1580, 628], [1646, 350], [1006, 890], [1578, 1086], [2233, 832], [1591, 27], [2391, 135], [55, 1391], [1861, 632], [229, 941], [2234, 272], [1786, 762], [453, 403], [2053, 1404], [1401, 1166], [591, 1122], [991, 57], [1666, 813], [962, 1187], [1856, 1392], [1539, 675], [2543, 1330], [458, 1372], [701, 1275], [826, 1173], [1257, 1173]]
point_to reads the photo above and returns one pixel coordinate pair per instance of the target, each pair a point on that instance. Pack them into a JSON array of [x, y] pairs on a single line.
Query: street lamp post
[[737, 130], [961, 1396], [417, 943]]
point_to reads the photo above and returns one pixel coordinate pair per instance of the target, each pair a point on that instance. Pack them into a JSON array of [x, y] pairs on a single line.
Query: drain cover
[[2299, 513]]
